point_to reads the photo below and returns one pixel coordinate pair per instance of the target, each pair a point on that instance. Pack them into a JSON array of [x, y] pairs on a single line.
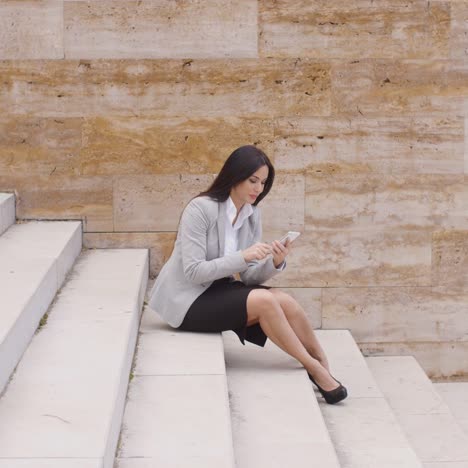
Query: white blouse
[[232, 232]]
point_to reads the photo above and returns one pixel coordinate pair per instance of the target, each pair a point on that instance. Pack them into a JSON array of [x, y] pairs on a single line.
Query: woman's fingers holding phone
[[257, 251]]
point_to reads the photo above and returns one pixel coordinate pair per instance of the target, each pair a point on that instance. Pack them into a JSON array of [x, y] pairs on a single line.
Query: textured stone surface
[[151, 145], [88, 199], [31, 29], [357, 258], [39, 146], [450, 262], [459, 30], [438, 359], [203, 88], [392, 87], [390, 202], [148, 29], [358, 29], [396, 314], [160, 244], [154, 203], [283, 207], [389, 145]]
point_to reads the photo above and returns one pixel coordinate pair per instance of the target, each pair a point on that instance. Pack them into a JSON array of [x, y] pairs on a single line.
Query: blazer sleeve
[[259, 271], [194, 225]]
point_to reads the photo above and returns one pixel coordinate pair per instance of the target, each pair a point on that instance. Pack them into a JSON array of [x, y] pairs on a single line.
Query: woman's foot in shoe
[[338, 393]]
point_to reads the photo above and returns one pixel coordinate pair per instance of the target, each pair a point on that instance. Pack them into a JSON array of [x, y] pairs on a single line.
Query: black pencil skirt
[[222, 307]]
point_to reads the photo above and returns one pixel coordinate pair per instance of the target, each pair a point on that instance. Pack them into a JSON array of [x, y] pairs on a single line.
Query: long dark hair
[[239, 166]]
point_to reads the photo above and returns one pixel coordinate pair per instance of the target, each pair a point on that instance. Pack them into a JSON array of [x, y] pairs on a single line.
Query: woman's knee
[[261, 302], [290, 306]]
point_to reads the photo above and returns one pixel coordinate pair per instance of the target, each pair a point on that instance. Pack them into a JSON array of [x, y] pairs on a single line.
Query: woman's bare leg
[[299, 322], [262, 306]]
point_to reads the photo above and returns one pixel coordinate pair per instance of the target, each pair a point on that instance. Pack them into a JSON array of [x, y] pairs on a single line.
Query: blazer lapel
[[221, 227]]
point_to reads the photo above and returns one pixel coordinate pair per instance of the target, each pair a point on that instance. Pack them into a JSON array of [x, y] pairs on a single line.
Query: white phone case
[[293, 235]]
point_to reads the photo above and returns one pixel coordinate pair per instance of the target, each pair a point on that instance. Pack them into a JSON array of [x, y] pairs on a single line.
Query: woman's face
[[248, 190]]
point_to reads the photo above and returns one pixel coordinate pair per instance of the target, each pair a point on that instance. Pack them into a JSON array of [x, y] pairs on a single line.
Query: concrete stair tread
[[363, 428], [275, 416], [422, 413], [66, 397], [177, 411], [7, 211], [455, 395], [35, 258]]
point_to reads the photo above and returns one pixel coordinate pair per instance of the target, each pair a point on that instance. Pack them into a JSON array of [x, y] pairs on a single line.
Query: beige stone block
[[377, 201], [39, 146], [450, 262], [31, 29], [356, 258], [283, 207], [396, 314], [389, 145], [152, 145], [160, 244], [358, 29], [438, 359], [148, 29], [205, 88], [392, 87], [466, 145], [310, 299], [459, 30], [154, 203], [88, 199]]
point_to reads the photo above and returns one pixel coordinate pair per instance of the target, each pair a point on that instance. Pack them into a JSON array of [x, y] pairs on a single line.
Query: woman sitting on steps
[[220, 234]]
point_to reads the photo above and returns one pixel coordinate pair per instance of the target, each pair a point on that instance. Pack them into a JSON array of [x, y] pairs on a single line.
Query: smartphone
[[293, 235]]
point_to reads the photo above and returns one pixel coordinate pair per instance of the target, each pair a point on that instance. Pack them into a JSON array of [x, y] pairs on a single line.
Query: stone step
[[177, 411], [363, 428], [455, 395], [34, 260], [7, 211], [63, 405], [425, 418], [275, 416]]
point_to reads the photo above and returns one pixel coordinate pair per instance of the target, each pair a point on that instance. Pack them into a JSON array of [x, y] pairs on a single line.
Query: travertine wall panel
[[283, 207], [402, 144], [154, 203], [206, 88], [438, 359], [37, 146], [160, 244], [63, 197], [396, 314], [357, 258], [176, 145], [450, 262], [31, 29], [391, 87], [459, 30], [149, 29], [391, 202], [357, 29]]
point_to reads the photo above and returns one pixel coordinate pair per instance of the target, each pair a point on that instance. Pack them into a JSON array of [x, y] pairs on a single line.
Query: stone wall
[[117, 113]]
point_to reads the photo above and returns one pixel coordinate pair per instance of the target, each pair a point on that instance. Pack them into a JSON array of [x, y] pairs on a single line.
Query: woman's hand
[[280, 251], [257, 251]]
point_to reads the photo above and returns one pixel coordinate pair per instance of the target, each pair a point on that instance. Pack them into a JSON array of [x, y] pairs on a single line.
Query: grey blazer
[[197, 260]]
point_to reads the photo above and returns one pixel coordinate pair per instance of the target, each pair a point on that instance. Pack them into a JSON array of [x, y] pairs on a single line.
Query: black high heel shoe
[[331, 396]]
